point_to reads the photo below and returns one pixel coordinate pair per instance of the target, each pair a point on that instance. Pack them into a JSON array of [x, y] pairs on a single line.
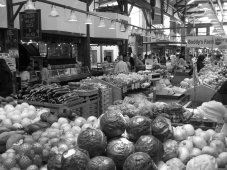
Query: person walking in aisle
[[121, 66], [6, 81]]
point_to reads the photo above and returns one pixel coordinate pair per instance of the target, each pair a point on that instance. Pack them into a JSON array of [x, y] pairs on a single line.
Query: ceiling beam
[[130, 9], [178, 10], [178, 2]]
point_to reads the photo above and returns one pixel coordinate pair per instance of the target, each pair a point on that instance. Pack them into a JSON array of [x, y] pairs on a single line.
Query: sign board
[[30, 25], [207, 41]]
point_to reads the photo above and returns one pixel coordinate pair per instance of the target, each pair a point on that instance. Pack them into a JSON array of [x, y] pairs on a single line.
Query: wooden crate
[[56, 107], [105, 95]]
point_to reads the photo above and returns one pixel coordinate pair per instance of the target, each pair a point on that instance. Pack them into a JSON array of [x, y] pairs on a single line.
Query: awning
[[31, 50]]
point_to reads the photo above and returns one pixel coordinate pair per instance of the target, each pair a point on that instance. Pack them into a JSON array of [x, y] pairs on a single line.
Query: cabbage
[[139, 161], [75, 159], [162, 128], [150, 145], [113, 124], [101, 163], [176, 164], [92, 140], [119, 150], [170, 149], [128, 109], [201, 162], [138, 125], [55, 162]]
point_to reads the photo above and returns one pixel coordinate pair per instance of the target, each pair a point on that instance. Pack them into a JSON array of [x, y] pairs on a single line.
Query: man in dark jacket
[[221, 94], [6, 85]]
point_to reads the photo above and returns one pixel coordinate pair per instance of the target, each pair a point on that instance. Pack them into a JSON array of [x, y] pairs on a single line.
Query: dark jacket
[[221, 94], [6, 85]]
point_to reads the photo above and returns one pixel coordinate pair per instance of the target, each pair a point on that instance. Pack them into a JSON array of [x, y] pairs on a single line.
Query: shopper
[[200, 62], [25, 78], [6, 83], [182, 64], [163, 60], [45, 73], [139, 64], [121, 66], [221, 94], [132, 62]]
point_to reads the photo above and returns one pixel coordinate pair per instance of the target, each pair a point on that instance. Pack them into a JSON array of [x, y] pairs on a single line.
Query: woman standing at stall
[[6, 83]]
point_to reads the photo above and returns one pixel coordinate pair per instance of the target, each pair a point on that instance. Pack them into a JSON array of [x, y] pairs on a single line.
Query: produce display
[[7, 100], [164, 87], [19, 116], [212, 75], [51, 94], [123, 79], [131, 135]]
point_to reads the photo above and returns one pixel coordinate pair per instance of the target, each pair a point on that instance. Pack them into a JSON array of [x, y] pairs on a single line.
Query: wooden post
[[10, 22], [87, 57]]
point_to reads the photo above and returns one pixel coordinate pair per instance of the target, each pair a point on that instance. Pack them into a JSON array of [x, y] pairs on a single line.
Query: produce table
[[69, 78]]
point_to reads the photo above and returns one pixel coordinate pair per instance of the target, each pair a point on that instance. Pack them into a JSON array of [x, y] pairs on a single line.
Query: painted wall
[[61, 24]]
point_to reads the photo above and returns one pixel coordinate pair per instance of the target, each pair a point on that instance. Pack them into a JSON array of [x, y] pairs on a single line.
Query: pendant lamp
[[54, 12], [113, 25], [2, 3], [102, 23], [29, 5], [88, 20], [140, 31], [133, 30], [122, 28], [72, 17]]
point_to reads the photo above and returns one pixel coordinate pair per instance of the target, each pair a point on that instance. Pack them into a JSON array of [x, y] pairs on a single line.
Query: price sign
[[30, 24]]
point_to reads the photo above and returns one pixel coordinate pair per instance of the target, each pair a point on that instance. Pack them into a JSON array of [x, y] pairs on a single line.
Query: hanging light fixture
[[54, 12], [140, 31], [171, 33], [192, 32], [128, 29], [102, 23], [72, 17], [2, 3], [88, 20], [133, 30], [113, 25], [122, 27], [29, 5]]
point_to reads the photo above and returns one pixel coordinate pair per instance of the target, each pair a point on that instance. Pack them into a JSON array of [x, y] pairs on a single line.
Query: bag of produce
[[170, 149], [150, 145], [92, 140], [176, 164], [206, 162], [162, 128], [113, 123], [139, 161], [101, 163], [138, 126], [119, 150], [75, 159]]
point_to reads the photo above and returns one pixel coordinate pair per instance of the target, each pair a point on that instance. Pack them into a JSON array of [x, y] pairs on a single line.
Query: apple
[[223, 158], [204, 135], [210, 151], [184, 154], [197, 131], [210, 132], [195, 152], [217, 145], [189, 129], [186, 143], [199, 142], [179, 134]]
